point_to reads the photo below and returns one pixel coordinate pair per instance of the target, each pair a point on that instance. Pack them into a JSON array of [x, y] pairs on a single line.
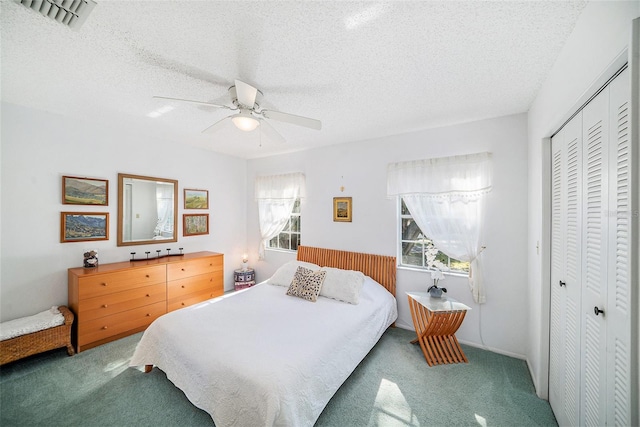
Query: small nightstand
[[436, 321], [244, 278]]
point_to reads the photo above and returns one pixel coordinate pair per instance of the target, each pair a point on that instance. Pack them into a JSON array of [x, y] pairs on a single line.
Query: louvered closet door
[[593, 372], [573, 269], [557, 313], [618, 314], [595, 128], [564, 363]]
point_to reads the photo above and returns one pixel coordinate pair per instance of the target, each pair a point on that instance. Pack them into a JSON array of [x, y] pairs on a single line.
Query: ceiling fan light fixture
[[244, 121]]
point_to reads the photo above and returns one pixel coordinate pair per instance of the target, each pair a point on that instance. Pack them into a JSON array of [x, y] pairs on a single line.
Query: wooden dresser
[[112, 301]]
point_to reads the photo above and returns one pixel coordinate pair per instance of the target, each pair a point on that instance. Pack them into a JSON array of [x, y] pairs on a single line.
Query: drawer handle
[[104, 306], [104, 284], [148, 295], [182, 269], [104, 327], [182, 303], [182, 286], [146, 275], [148, 315]]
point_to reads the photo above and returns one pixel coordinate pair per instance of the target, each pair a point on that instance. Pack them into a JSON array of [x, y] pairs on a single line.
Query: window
[[289, 237], [415, 246]]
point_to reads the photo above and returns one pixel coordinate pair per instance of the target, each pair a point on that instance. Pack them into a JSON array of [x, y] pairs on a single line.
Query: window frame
[[296, 213], [400, 261]]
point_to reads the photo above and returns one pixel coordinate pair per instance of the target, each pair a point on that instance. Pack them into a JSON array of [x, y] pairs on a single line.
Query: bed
[[259, 357]]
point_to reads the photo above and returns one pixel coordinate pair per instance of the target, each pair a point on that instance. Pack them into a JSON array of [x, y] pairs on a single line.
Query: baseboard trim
[[493, 350], [476, 345]]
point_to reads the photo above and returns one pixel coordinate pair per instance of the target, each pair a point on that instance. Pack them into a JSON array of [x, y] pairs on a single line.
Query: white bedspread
[[260, 358]]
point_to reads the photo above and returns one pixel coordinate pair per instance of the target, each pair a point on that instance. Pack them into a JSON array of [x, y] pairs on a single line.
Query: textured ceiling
[[365, 69]]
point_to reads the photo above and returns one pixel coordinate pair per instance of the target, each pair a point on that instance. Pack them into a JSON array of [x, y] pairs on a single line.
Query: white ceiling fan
[[246, 101]]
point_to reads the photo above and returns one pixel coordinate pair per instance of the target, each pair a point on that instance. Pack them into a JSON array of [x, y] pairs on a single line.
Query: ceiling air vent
[[71, 13]]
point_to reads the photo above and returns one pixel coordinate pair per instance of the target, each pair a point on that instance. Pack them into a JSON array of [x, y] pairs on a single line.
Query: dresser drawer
[[187, 300], [189, 285], [106, 305], [195, 267], [93, 286], [105, 327]]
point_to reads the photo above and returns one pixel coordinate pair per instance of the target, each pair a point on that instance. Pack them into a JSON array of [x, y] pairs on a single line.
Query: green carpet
[[393, 386]]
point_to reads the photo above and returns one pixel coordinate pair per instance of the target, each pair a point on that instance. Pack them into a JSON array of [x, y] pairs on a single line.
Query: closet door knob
[[563, 284], [597, 311]]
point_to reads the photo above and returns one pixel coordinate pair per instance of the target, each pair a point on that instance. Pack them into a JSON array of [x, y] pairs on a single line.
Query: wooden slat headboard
[[381, 268]]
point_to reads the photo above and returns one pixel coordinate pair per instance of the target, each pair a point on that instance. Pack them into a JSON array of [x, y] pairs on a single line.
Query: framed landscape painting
[[196, 199], [342, 209], [195, 224], [85, 191], [84, 226]]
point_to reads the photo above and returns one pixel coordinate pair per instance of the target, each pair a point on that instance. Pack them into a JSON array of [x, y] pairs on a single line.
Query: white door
[[618, 313], [593, 359], [595, 131], [566, 237], [557, 350]]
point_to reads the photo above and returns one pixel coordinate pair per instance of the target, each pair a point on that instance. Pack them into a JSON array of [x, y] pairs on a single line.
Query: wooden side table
[[436, 321]]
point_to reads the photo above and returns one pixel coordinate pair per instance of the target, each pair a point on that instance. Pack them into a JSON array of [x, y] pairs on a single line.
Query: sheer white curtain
[[446, 197], [164, 203], [276, 196]]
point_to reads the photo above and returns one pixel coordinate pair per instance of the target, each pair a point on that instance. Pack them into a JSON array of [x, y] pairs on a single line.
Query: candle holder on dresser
[[158, 255]]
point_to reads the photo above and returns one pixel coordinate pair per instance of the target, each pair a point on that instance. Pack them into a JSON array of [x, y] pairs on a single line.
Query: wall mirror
[[147, 210]]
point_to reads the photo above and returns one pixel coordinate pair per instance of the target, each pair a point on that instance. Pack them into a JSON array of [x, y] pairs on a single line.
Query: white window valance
[[285, 186], [459, 176], [446, 198], [276, 196]]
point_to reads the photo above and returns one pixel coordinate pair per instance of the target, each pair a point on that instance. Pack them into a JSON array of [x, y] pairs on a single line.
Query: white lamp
[[245, 262], [244, 121]]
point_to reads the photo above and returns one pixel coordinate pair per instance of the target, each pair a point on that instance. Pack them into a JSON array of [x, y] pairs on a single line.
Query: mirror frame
[[121, 178]]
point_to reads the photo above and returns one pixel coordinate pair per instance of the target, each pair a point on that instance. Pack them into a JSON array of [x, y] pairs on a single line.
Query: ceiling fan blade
[[270, 133], [208, 104], [293, 119], [216, 126], [246, 94]]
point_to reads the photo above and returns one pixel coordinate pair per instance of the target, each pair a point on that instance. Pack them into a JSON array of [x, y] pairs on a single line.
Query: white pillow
[[284, 275], [343, 285]]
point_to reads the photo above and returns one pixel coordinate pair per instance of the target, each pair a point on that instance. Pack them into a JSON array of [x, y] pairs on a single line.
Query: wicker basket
[[37, 342]]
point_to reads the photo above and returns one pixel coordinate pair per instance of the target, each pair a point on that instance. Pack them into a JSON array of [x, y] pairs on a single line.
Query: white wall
[[38, 148], [601, 34], [361, 167]]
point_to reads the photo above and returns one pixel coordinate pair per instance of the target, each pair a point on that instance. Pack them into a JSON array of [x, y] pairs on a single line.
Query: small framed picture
[[84, 226], [342, 209], [195, 224], [196, 199], [85, 191]]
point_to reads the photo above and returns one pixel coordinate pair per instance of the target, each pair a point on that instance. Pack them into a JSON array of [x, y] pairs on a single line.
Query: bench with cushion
[[38, 341]]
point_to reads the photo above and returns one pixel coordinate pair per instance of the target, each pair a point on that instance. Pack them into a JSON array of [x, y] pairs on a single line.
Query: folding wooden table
[[436, 321]]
